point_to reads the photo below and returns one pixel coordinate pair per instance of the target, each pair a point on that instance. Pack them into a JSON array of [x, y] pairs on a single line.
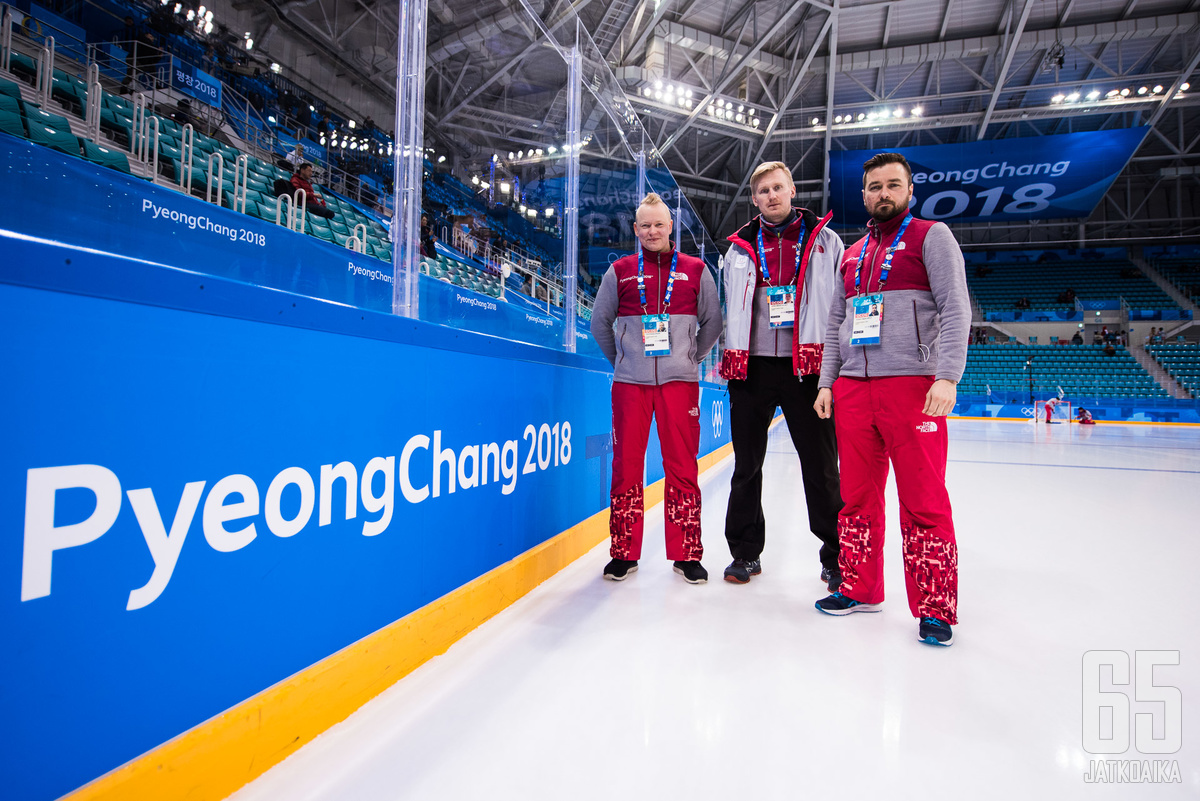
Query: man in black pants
[[779, 284]]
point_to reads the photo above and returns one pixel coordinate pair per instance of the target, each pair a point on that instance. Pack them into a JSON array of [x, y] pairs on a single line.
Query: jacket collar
[[888, 228]]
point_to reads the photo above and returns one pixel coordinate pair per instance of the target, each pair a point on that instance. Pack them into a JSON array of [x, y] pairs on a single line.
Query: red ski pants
[[676, 408], [879, 419]]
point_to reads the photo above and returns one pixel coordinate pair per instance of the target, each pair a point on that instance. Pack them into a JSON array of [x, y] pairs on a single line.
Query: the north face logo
[[928, 427], [820, 248], [694, 411]]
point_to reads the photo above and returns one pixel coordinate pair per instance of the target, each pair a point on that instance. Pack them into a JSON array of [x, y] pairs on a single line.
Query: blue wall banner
[[208, 486], [1043, 177], [195, 82]]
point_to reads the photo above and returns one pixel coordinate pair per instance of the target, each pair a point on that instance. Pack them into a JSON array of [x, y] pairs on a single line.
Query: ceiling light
[[816, 121], [523, 208], [1183, 87], [475, 180], [505, 187], [1125, 92], [738, 118], [441, 159], [531, 212], [754, 122], [1073, 97], [838, 119], [276, 68], [658, 95], [917, 111], [352, 125], [208, 26], [861, 116], [1157, 89], [1092, 95], [658, 84], [549, 212], [1058, 98], [898, 113], [539, 151], [689, 94], [1111, 93], [1142, 90]]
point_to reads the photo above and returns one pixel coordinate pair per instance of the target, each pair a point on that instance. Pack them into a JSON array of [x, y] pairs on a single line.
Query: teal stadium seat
[[105, 157]]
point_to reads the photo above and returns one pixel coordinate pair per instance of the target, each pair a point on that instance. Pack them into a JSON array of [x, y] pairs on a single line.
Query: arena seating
[[1081, 371], [1183, 272], [1182, 361], [1042, 283]]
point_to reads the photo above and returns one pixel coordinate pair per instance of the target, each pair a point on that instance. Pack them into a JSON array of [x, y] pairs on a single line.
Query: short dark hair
[[880, 159], [302, 165]]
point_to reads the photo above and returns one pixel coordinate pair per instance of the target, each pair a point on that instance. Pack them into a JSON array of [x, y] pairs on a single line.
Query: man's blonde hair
[[770, 166], [652, 199]]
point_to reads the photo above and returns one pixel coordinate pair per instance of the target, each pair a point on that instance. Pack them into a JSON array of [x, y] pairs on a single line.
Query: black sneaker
[[935, 632], [838, 604], [740, 570], [692, 572], [619, 569], [832, 578]]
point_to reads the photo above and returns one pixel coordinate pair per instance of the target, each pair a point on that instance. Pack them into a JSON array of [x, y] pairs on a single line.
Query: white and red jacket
[[745, 290]]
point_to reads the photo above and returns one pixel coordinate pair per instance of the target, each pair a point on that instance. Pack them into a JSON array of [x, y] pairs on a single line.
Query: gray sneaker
[[740, 570]]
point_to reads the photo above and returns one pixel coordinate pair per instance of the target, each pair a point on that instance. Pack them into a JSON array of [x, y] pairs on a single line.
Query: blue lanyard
[[642, 281], [887, 259], [762, 255]]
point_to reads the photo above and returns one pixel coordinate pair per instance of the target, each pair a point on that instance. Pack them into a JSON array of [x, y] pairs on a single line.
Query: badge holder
[[868, 319], [656, 334], [781, 303]]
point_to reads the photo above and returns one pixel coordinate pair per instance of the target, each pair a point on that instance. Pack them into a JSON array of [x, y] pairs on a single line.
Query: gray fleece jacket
[[926, 308]]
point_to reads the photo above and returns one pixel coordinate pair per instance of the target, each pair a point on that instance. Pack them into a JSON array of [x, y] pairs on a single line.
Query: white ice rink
[[1071, 539]]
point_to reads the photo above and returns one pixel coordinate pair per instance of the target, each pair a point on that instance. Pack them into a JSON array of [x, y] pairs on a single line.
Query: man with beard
[[893, 378]]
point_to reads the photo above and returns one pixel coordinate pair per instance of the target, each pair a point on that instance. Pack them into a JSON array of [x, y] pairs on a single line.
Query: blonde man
[[779, 283], [656, 317]]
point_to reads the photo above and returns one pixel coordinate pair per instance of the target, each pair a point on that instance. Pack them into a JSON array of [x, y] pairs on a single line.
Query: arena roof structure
[[720, 86]]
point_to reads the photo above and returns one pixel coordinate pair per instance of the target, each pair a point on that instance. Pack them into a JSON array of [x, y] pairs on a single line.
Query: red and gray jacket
[[747, 327], [695, 318], [926, 308]]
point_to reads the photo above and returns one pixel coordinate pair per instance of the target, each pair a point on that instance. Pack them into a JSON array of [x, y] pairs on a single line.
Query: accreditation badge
[[868, 319], [781, 303], [656, 334]]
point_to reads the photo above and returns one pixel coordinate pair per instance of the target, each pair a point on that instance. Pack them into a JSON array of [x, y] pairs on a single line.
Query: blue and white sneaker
[[935, 632], [838, 604]]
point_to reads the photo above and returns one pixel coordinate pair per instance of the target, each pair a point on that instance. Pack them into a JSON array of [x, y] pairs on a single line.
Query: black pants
[[770, 383]]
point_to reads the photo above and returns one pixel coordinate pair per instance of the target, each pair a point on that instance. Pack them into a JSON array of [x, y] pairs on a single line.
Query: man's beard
[[894, 211]]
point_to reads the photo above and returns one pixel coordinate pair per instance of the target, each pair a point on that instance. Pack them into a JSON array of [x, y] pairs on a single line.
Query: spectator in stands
[[303, 180], [892, 396], [785, 263], [1109, 350], [1022, 303], [1157, 339], [1067, 296], [1097, 337], [1123, 338], [983, 271], [428, 240], [1077, 339], [665, 308]]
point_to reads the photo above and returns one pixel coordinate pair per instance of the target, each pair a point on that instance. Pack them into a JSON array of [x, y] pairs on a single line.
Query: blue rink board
[[163, 377]]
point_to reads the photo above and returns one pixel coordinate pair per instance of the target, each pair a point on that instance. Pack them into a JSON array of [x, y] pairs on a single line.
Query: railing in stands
[[187, 159], [45, 73], [91, 119], [6, 25]]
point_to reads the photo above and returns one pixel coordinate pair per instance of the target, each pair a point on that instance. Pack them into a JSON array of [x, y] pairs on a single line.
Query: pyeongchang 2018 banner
[[1030, 178]]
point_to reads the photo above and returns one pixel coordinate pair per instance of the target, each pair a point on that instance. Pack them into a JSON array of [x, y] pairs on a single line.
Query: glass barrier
[[489, 238]]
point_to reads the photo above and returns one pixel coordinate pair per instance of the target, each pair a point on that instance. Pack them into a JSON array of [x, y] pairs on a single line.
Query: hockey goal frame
[[1063, 412]]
